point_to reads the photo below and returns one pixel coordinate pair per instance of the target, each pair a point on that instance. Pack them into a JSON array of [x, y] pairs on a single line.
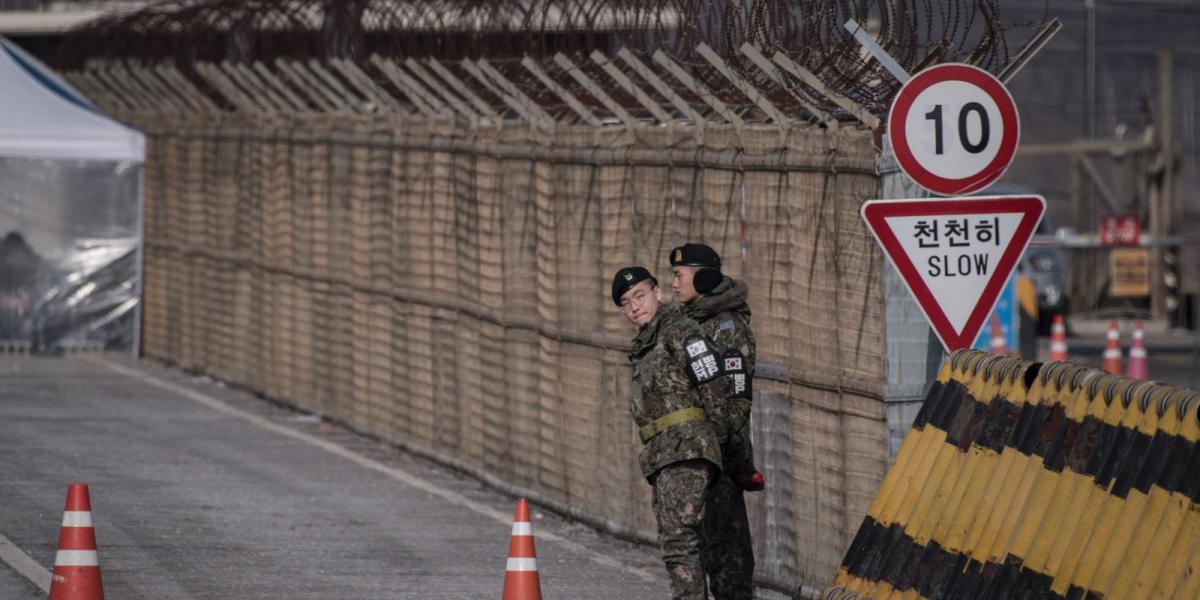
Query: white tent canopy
[[42, 116], [70, 215]]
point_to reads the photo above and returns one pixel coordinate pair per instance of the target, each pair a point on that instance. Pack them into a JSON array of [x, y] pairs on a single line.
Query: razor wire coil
[[812, 34]]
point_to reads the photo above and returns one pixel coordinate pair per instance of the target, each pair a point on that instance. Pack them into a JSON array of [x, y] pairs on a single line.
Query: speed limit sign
[[954, 129]]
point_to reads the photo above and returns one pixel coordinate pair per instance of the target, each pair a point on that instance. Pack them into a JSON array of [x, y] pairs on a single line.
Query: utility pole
[[1164, 214], [1089, 71], [1082, 198]]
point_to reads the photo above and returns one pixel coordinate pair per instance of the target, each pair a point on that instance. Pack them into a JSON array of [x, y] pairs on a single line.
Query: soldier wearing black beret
[[705, 264], [673, 370], [718, 303]]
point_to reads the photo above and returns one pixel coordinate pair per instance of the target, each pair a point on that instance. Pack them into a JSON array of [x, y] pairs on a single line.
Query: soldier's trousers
[[728, 555], [679, 497]]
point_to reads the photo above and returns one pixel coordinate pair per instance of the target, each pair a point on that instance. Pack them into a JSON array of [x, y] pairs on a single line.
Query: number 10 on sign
[[954, 129], [965, 134]]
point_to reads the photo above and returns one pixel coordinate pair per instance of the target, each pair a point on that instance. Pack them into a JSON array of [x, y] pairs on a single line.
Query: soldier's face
[[640, 303], [682, 285]]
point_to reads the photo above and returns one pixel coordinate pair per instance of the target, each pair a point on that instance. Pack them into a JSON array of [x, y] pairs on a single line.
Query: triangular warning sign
[[955, 254]]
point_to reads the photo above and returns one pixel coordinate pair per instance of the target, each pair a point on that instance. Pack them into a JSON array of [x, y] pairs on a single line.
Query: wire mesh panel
[[406, 219], [456, 301]]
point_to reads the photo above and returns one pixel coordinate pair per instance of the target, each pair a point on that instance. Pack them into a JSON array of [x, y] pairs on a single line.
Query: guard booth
[[70, 216]]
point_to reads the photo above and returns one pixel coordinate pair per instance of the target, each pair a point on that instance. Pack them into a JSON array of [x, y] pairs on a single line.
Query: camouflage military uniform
[[728, 557], [681, 454]]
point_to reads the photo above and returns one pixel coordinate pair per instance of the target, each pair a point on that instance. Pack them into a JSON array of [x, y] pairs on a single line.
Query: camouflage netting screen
[[445, 288]]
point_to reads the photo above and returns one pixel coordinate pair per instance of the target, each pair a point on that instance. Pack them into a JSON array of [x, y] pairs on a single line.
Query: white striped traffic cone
[[999, 341], [1137, 367], [77, 566], [521, 576], [1112, 350], [1058, 340]]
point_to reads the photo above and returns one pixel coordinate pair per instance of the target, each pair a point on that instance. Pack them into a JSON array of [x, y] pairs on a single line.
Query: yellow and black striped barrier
[[1024, 480]]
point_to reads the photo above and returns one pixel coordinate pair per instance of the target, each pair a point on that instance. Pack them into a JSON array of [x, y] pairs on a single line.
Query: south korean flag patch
[[733, 364], [703, 363], [739, 380]]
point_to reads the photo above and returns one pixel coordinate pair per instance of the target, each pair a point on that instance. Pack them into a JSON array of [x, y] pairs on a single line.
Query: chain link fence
[[419, 244], [446, 290]]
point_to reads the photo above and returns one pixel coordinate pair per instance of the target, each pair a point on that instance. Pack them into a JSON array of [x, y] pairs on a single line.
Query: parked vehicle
[[1044, 262]]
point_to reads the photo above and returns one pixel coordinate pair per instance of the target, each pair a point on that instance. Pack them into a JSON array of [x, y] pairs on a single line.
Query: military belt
[[670, 420]]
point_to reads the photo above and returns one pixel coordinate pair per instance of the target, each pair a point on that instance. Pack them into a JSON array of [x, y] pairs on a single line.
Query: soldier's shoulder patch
[[734, 365], [703, 364], [733, 362], [695, 346], [726, 325]]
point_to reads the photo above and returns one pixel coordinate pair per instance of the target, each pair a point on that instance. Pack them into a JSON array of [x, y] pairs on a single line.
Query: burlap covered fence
[[445, 288]]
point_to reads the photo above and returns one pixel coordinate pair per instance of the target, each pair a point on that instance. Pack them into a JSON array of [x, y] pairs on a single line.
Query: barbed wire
[[812, 34]]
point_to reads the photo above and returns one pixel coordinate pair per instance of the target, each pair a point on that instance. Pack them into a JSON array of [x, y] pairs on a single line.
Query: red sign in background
[[1120, 230]]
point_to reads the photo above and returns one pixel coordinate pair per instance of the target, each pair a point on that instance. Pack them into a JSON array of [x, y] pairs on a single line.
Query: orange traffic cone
[[1137, 367], [1058, 340], [1112, 350], [999, 342], [521, 576], [77, 566]]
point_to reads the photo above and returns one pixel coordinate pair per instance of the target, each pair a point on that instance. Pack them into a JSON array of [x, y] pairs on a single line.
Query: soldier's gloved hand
[[754, 482], [740, 465]]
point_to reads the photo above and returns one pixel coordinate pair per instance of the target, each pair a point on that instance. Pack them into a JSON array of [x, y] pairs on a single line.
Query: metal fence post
[[914, 353]]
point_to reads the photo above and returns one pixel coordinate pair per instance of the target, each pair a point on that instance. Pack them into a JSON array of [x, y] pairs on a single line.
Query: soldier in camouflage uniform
[[672, 368], [718, 303]]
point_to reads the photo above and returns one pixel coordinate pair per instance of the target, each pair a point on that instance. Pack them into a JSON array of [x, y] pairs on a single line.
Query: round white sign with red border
[[954, 129]]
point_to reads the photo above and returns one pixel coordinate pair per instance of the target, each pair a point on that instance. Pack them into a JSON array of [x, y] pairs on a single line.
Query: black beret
[[695, 255], [627, 278]]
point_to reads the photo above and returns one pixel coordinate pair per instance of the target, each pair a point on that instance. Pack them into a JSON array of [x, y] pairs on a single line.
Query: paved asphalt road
[[202, 492]]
